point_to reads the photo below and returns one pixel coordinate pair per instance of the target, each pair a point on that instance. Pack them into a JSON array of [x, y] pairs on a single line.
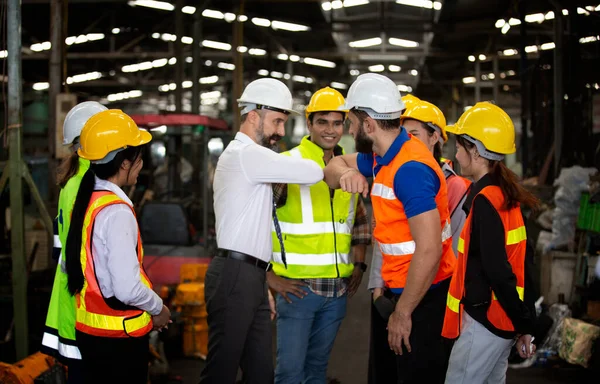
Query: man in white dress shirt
[[235, 287]]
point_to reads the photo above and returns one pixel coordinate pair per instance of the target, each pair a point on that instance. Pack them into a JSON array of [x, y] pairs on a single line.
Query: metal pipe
[[180, 65], [15, 118], [477, 81], [496, 79], [238, 73], [205, 191], [524, 90], [558, 90], [55, 70], [196, 65]]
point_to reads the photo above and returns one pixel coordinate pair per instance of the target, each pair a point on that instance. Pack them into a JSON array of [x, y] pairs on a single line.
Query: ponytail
[[437, 153], [67, 169], [513, 191], [73, 248]]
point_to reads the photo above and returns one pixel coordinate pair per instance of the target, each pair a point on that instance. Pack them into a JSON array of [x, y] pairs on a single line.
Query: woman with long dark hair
[[116, 307], [486, 308], [59, 333]]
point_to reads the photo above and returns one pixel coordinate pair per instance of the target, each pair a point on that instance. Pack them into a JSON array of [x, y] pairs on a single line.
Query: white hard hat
[[375, 94], [266, 93], [77, 117]]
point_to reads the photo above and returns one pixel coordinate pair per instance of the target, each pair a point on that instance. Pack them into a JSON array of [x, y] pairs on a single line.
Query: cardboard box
[[193, 273]]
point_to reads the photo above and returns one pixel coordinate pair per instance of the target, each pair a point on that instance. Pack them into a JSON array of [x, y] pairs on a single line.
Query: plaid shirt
[[361, 234]]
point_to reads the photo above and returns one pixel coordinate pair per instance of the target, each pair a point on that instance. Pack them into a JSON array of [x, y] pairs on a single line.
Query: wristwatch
[[361, 265]]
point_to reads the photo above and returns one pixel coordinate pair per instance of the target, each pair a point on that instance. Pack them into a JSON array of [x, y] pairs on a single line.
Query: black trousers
[[239, 324], [428, 360], [114, 360], [382, 360]]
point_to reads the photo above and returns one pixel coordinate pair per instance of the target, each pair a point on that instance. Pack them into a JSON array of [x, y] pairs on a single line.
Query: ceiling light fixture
[[365, 42], [403, 42]]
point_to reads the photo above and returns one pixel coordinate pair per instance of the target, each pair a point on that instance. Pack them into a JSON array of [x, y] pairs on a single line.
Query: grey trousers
[[478, 356], [239, 324]]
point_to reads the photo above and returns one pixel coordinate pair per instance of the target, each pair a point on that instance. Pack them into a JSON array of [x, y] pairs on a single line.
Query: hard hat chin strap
[[483, 152]]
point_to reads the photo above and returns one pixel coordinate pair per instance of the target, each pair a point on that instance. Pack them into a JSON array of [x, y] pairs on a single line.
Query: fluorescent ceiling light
[[39, 47], [277, 75], [500, 23], [505, 29], [287, 76], [3, 54], [229, 17], [354, 72], [404, 88], [124, 95], [531, 48], [152, 4], [263, 72], [472, 58], [84, 38], [403, 42], [242, 18], [547, 46], [335, 84], [510, 52], [382, 57], [512, 21], [296, 58], [257, 52], [209, 79], [261, 22], [318, 62], [41, 86], [589, 39], [187, 84], [116, 31], [187, 40], [377, 68], [300, 79], [282, 56], [354, 3], [414, 72], [365, 42], [211, 13], [469, 80], [227, 66], [482, 57], [329, 5], [189, 10], [421, 3], [394, 68], [84, 77], [216, 45], [288, 26], [242, 49], [535, 18], [337, 4]]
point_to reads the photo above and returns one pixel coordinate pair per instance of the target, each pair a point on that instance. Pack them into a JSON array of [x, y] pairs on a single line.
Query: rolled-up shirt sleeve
[[123, 266], [262, 165]]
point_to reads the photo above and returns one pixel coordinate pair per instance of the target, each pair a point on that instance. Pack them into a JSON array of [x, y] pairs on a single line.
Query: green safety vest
[[60, 322], [316, 229]]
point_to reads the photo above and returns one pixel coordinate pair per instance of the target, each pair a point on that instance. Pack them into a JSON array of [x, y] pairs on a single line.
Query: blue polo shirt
[[416, 185]]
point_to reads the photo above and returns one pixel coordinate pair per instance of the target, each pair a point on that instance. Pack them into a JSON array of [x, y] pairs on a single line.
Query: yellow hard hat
[[325, 99], [488, 124], [409, 100], [427, 113], [108, 131]]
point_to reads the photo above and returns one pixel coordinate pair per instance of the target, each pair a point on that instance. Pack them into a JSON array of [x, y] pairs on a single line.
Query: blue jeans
[[306, 330]]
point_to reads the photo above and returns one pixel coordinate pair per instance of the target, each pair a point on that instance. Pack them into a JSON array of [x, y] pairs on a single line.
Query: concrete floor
[[349, 359]]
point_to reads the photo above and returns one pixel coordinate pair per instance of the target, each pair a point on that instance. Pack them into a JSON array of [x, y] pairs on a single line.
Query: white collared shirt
[[243, 195], [114, 245]]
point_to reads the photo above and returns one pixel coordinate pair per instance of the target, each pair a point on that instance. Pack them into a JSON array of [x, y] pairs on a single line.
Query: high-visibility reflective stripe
[[453, 303], [446, 232], [313, 228], [112, 323], [520, 292], [408, 247], [311, 258], [52, 341], [383, 192], [461, 245], [57, 243], [398, 249], [516, 236], [305, 199]]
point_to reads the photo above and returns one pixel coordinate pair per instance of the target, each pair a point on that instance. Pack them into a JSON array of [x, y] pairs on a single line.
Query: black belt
[[245, 258]]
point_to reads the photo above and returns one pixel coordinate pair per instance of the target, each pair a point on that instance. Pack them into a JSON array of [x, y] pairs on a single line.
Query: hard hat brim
[[453, 129], [144, 138], [292, 111]]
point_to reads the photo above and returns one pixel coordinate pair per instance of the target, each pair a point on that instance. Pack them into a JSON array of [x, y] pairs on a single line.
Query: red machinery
[[177, 227]]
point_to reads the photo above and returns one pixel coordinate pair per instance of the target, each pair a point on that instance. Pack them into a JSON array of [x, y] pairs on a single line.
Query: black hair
[[80, 207], [311, 115], [437, 148]]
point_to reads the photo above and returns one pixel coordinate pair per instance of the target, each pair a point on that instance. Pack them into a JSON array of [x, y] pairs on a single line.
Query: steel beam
[[238, 73], [180, 64], [558, 90], [57, 41], [15, 118]]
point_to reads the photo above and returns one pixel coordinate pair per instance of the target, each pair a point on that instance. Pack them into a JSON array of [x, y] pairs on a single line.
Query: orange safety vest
[[94, 315], [516, 244], [392, 231]]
